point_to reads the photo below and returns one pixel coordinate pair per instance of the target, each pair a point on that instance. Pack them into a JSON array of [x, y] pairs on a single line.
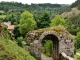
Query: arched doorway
[[55, 47], [63, 41]]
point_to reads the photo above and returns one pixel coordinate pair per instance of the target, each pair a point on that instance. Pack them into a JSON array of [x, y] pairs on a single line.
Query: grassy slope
[[11, 51]]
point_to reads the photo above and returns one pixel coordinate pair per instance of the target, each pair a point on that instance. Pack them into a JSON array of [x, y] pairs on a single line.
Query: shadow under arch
[[55, 40]]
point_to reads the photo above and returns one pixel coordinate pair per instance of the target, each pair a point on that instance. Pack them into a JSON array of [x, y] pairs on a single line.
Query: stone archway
[[62, 39], [55, 40]]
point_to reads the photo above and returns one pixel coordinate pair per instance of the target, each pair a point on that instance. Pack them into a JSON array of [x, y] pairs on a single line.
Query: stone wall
[[63, 56], [66, 45], [66, 41], [35, 48]]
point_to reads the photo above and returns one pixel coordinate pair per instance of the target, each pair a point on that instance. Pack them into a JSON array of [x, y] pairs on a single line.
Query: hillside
[[72, 18], [74, 9], [76, 4], [73, 12], [11, 51]]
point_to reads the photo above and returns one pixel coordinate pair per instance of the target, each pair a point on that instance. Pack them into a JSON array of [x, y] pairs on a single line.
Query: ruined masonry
[[63, 41]]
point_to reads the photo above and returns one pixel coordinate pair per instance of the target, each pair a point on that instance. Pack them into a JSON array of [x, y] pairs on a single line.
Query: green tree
[[77, 41], [43, 21], [73, 24], [13, 16], [19, 41], [27, 22], [57, 21], [10, 17]]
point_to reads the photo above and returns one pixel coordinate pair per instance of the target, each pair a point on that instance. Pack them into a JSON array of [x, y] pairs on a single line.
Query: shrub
[[77, 41], [19, 41]]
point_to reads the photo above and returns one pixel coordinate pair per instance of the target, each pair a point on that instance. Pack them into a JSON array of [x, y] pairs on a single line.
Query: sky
[[43, 1]]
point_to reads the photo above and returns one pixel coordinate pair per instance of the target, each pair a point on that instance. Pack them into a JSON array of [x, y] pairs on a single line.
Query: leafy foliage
[[13, 16], [47, 48], [77, 41], [27, 22], [38, 9], [57, 21], [19, 41], [43, 21], [77, 57], [73, 24]]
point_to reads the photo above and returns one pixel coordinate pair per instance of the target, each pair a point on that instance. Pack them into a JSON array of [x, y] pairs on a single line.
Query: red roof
[[11, 27]]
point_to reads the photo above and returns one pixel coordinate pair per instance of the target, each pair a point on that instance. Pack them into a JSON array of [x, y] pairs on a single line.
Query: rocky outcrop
[[73, 12]]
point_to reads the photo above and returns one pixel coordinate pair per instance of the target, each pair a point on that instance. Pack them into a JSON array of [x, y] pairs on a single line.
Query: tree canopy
[[57, 20], [27, 22], [44, 20]]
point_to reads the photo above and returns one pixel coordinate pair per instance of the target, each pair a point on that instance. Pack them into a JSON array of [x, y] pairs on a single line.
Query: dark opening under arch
[[55, 48]]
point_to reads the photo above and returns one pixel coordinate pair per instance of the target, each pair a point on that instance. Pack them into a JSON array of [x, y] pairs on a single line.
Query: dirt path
[[46, 58]]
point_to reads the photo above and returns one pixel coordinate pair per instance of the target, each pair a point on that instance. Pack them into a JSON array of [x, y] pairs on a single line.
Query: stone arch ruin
[[62, 39], [55, 40]]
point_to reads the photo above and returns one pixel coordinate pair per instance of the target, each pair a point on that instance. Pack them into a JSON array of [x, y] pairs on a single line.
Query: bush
[[77, 41], [47, 48], [19, 41]]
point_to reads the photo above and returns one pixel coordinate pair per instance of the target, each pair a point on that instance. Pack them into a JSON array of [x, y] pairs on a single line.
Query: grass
[[78, 50], [76, 57], [9, 50]]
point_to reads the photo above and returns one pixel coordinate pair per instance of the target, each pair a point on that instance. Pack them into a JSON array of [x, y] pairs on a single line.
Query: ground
[[46, 58]]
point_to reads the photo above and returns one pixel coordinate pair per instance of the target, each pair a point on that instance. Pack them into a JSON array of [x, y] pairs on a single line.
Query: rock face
[[63, 41], [73, 12]]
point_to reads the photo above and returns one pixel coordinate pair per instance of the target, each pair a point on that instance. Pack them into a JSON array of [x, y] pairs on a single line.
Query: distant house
[[9, 27]]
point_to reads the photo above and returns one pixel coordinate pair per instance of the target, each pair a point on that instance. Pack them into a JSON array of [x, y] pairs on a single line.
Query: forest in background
[[15, 9]]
